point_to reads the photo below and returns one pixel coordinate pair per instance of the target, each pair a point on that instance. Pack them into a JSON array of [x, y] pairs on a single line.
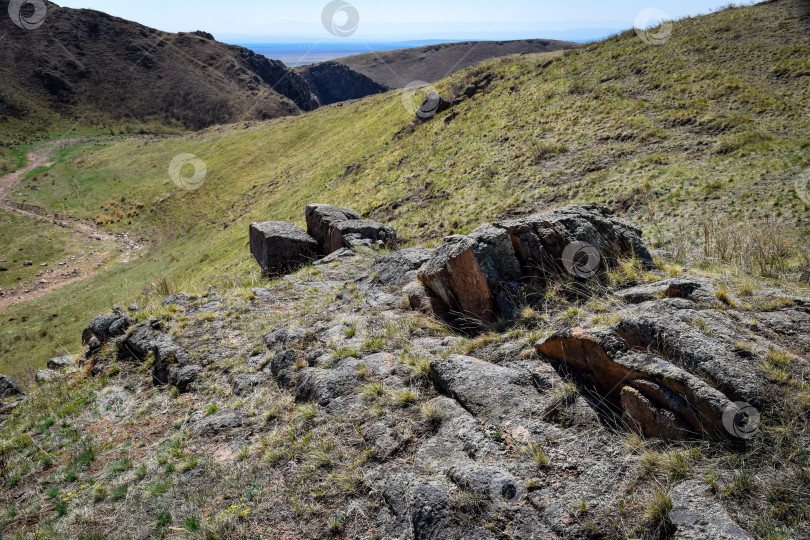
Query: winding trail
[[103, 248]]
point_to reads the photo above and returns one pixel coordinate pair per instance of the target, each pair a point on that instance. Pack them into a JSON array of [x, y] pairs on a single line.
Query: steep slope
[[398, 68], [83, 68]]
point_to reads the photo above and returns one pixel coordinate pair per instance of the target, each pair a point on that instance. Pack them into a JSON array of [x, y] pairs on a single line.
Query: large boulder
[[9, 387], [454, 275], [476, 276], [431, 106], [321, 218], [356, 233], [280, 247]]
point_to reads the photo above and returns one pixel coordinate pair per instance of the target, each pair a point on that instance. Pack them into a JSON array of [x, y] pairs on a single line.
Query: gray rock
[[674, 335], [421, 300], [433, 105], [139, 342], [359, 232], [325, 385], [506, 398], [219, 422], [243, 384], [690, 288], [178, 299], [45, 375], [104, 327], [322, 218], [339, 255], [185, 376], [429, 508], [61, 362], [281, 247], [10, 387], [282, 366], [400, 267], [697, 515]]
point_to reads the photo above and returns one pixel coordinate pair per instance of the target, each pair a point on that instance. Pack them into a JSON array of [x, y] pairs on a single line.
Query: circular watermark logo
[[332, 14], [506, 490], [741, 420], [27, 18], [653, 26], [581, 259], [195, 180], [803, 187], [421, 99]]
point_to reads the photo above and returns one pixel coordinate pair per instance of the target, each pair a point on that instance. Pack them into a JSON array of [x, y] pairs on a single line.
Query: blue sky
[[279, 21]]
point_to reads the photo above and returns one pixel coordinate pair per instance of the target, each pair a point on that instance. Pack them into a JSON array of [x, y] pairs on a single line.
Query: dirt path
[[103, 248]]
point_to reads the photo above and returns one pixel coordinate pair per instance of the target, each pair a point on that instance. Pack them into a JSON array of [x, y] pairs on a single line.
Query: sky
[[257, 21]]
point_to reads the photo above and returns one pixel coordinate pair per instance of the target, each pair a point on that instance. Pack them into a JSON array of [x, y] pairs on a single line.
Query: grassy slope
[[23, 240], [715, 122]]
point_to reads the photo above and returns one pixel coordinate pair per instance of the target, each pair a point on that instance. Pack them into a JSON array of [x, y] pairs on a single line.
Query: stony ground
[[320, 404]]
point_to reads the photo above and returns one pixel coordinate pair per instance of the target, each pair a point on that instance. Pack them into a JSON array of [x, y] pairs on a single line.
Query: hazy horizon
[[259, 22]]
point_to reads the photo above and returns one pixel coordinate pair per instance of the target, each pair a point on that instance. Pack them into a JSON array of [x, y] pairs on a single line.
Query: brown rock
[[454, 275], [652, 421]]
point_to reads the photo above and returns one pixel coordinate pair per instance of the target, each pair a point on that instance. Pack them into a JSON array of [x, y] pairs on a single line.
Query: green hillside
[[713, 124]]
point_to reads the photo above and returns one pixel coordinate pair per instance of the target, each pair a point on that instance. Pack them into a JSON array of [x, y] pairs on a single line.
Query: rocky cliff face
[[324, 404], [332, 82]]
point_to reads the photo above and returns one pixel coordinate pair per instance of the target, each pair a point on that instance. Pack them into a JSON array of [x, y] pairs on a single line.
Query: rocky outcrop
[[478, 276], [433, 105], [694, 341], [10, 387], [544, 242], [172, 364], [333, 82], [104, 327], [280, 247], [521, 400], [656, 397]]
